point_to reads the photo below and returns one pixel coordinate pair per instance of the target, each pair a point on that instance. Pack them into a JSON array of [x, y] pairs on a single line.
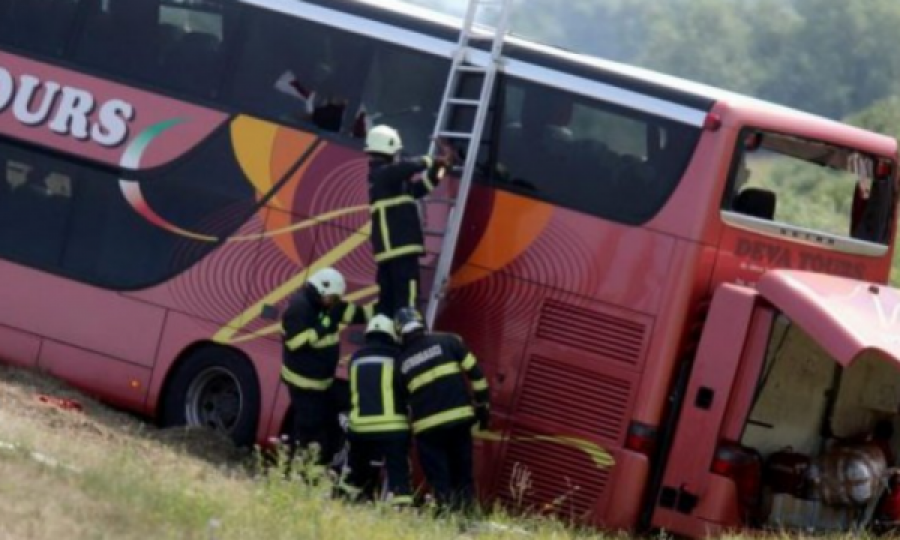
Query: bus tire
[[214, 387]]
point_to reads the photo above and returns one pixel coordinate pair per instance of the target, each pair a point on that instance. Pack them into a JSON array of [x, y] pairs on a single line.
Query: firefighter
[[379, 426], [311, 326], [397, 239], [435, 368]]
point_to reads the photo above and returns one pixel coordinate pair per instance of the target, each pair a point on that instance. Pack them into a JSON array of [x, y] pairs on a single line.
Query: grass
[[100, 474]]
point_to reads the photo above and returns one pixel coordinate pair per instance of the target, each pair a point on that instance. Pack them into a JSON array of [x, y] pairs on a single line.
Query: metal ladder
[[449, 103]]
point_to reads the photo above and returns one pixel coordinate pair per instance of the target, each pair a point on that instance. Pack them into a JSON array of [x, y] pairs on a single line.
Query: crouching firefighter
[[435, 368], [397, 238], [379, 426], [311, 326]]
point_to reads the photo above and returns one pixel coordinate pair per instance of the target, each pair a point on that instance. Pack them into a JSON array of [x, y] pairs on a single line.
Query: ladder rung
[[461, 101], [471, 69], [434, 232], [455, 134]]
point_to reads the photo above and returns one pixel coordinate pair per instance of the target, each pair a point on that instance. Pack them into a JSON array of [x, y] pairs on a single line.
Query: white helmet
[[328, 281], [383, 324], [383, 140]]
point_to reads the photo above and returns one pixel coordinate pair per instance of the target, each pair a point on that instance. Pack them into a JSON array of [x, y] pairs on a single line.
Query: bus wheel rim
[[214, 400]]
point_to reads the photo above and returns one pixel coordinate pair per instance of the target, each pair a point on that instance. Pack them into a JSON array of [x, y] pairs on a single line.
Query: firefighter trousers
[[445, 454], [315, 417], [398, 284], [365, 461]]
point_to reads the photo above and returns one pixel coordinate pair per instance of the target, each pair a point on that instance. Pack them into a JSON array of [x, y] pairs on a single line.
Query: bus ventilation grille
[[544, 475], [584, 401], [610, 336]]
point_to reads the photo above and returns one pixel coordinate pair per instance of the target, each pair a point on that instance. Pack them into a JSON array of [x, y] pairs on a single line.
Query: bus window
[[588, 155], [76, 221], [299, 73], [28, 25], [160, 42], [34, 208], [411, 107], [811, 185], [119, 37], [190, 47]]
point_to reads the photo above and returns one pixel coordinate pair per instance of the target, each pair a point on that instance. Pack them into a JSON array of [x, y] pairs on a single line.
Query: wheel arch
[[183, 359]]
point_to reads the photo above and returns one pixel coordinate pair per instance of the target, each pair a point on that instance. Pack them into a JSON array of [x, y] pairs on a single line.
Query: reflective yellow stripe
[[460, 413], [431, 375], [369, 311], [304, 382], [354, 391], [308, 335], [327, 341], [479, 385], [379, 427], [412, 293], [377, 419], [468, 362], [349, 312], [393, 201], [387, 388], [385, 232], [407, 250], [400, 499]]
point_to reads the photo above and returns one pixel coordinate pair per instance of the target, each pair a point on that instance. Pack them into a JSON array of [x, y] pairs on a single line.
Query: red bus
[[167, 185]]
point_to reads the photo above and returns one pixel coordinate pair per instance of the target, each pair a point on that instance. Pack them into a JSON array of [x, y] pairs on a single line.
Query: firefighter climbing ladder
[[452, 100]]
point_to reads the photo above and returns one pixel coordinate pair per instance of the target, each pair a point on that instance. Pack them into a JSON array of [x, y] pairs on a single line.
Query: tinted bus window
[[29, 25], [74, 220], [170, 44], [301, 73], [588, 155], [409, 106]]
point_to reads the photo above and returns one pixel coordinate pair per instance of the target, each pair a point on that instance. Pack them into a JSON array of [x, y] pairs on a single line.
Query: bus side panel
[[120, 383], [496, 315], [19, 348], [629, 474], [701, 186], [571, 407], [48, 305], [686, 282]]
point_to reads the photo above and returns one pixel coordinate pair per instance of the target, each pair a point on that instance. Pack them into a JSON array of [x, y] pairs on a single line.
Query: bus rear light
[[641, 438], [712, 122], [726, 461], [744, 466], [884, 169]]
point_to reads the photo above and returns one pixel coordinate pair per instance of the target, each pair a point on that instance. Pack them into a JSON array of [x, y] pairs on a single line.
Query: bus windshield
[[813, 186]]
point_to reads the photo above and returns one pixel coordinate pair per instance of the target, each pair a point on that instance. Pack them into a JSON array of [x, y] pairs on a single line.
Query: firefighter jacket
[[378, 396], [396, 229], [312, 338], [434, 368]]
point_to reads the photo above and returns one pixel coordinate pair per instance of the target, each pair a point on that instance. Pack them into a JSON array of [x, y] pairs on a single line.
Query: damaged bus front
[[788, 420]]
